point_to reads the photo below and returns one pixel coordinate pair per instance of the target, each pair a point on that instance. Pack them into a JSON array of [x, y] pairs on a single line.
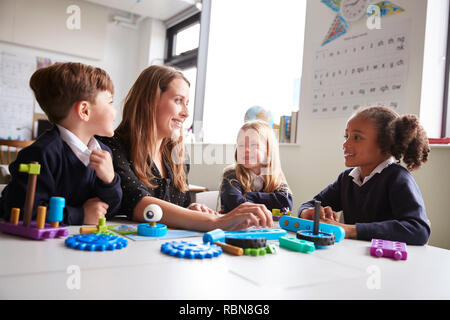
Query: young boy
[[77, 99]]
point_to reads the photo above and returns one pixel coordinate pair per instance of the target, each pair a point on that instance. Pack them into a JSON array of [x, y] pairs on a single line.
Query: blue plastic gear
[[96, 242], [189, 250]]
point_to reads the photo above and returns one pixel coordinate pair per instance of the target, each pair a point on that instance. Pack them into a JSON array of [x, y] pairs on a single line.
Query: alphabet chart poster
[[16, 97], [363, 69]]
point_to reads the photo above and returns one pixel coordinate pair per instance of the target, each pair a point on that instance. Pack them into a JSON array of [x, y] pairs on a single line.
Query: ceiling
[[158, 9]]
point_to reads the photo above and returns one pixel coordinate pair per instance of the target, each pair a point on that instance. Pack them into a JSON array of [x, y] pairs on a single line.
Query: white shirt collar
[[257, 182], [82, 151], [356, 172]]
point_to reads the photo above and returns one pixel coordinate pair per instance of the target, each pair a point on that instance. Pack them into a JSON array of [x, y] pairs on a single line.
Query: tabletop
[[48, 269]]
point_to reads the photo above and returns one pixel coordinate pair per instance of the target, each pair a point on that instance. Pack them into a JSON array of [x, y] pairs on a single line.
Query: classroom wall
[[124, 53], [318, 159]]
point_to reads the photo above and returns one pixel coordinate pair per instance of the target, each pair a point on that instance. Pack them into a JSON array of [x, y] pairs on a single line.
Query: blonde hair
[[271, 171], [139, 129]]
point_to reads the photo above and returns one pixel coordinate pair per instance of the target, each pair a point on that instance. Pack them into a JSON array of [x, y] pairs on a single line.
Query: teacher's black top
[[133, 188]]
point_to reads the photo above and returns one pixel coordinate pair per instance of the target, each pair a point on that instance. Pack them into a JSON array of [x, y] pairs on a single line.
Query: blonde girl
[[257, 176]]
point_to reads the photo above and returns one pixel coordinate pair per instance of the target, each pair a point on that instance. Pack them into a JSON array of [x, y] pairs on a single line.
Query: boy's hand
[[325, 213], [94, 209], [101, 162]]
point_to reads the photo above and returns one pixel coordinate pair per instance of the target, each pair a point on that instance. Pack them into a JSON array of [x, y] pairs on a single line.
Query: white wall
[[125, 52], [318, 160]]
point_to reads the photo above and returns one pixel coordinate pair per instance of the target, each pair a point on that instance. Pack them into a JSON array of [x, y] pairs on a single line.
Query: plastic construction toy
[[228, 248], [247, 243], [220, 235], [96, 242], [101, 228], [389, 249], [189, 250], [295, 244], [297, 224], [277, 213], [37, 230], [152, 214], [320, 239]]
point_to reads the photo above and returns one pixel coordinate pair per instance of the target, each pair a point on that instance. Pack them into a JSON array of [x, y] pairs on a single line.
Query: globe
[[259, 113]]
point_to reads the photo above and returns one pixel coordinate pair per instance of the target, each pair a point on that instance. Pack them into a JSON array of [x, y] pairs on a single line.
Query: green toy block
[[295, 244], [271, 248], [31, 168], [276, 212], [255, 251]]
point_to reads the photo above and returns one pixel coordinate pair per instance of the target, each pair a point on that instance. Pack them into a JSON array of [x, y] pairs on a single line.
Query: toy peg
[[101, 228], [14, 218], [230, 249], [40, 219], [55, 215], [88, 230], [33, 169], [316, 217]]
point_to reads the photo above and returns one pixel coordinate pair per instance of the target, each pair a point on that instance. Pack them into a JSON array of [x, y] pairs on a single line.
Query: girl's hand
[[325, 213], [350, 229], [202, 208], [244, 216], [100, 161]]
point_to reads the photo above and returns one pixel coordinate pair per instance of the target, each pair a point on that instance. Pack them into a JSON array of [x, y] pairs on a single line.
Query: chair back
[[12, 147]]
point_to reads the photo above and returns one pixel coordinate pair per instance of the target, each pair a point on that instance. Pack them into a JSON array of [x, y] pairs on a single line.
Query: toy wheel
[[320, 239]]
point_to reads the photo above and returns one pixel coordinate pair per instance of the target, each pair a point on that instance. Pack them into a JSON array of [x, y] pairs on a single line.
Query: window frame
[[186, 59], [445, 114]]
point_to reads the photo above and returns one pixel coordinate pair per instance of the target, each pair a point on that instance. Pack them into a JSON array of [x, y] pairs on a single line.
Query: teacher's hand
[[202, 208], [246, 215]]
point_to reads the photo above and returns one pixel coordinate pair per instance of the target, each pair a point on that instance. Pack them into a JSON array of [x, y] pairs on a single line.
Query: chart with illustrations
[[363, 69], [16, 97]]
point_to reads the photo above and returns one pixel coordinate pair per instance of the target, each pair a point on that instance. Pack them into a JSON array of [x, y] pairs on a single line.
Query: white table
[[41, 270]]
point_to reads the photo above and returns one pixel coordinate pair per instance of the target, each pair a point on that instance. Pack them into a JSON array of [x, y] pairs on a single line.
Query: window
[[182, 52], [254, 58], [446, 108], [434, 101]]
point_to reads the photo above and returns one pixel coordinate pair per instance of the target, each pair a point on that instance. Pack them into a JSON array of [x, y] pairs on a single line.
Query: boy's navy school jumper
[[389, 206], [231, 195], [62, 174]]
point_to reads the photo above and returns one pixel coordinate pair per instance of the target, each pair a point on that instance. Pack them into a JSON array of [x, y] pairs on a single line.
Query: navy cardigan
[[232, 195], [389, 206], [62, 174]]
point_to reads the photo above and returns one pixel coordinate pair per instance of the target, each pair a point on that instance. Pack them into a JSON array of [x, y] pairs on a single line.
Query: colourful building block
[[159, 230], [320, 239], [36, 230], [297, 224], [33, 169], [277, 213], [388, 249], [48, 232], [247, 243], [296, 244], [152, 214], [56, 211], [96, 242], [220, 235], [255, 251], [189, 250]]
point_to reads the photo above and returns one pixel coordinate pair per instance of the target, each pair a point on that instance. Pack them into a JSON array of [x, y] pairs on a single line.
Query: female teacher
[[148, 154]]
